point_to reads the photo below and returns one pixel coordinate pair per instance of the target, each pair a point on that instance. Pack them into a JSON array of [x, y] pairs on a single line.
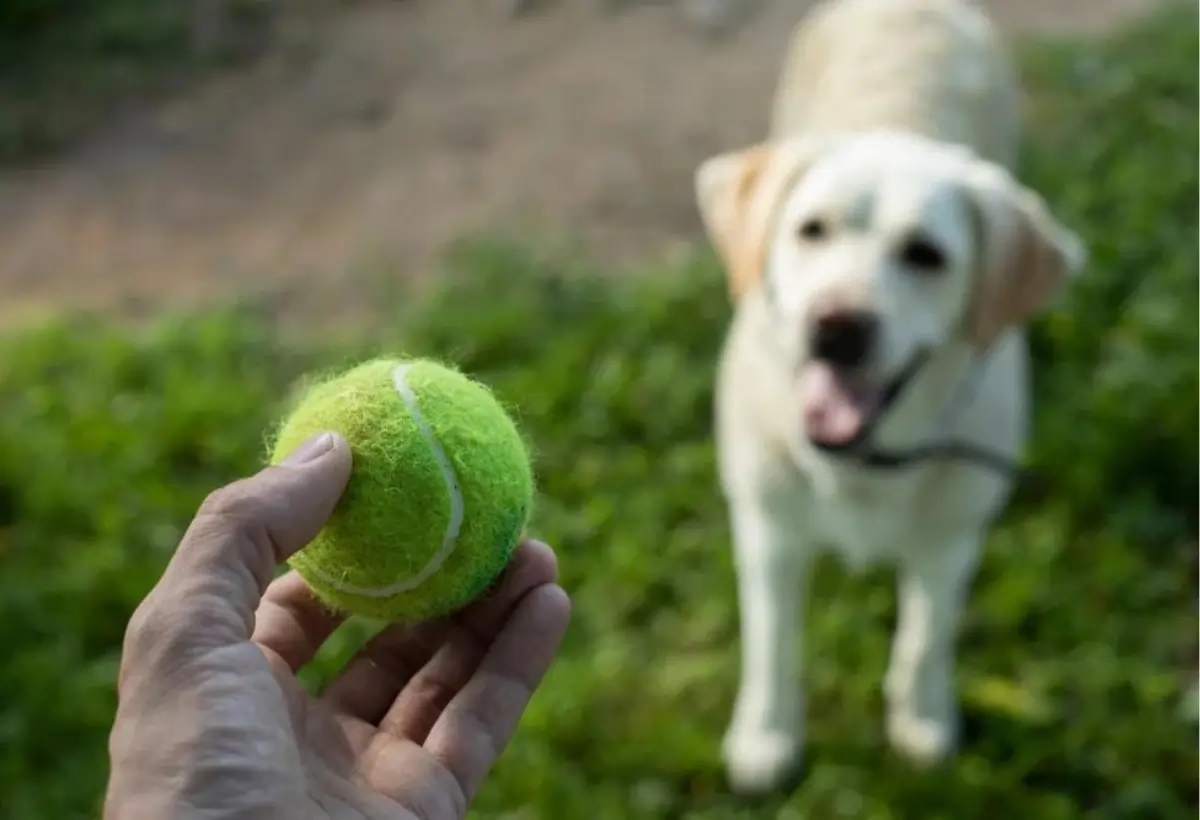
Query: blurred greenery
[[1078, 660], [66, 65]]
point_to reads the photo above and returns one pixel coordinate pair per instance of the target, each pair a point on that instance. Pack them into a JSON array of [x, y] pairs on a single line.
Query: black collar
[[861, 450]]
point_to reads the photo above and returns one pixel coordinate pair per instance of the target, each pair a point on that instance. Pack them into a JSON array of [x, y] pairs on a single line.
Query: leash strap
[[860, 450], [949, 450]]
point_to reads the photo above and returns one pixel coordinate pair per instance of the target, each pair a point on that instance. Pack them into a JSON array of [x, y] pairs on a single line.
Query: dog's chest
[[867, 519]]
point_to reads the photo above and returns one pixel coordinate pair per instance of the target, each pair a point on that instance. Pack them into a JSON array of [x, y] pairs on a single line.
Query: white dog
[[872, 395]]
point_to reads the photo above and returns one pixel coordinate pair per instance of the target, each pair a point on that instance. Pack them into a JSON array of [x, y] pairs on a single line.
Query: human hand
[[213, 723]]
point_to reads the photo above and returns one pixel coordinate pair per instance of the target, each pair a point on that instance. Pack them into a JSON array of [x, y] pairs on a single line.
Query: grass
[[1078, 657]]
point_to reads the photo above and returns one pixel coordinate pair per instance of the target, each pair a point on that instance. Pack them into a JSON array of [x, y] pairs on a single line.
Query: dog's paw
[[761, 761], [924, 740]]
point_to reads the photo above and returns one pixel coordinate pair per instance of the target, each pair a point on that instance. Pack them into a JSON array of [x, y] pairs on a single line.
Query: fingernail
[[310, 450]]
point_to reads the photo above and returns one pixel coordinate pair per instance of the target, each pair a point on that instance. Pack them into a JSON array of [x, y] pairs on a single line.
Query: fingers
[[479, 721], [368, 687], [369, 683], [403, 775], [292, 622], [422, 700], [213, 584]]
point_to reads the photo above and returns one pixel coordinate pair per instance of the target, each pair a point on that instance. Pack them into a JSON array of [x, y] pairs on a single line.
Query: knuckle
[[235, 503], [242, 511], [168, 636], [143, 629], [152, 632]]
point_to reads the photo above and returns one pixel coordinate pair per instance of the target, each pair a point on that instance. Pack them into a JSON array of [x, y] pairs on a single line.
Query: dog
[[872, 396]]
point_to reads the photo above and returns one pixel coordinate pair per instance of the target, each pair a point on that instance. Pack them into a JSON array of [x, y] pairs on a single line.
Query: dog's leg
[[764, 742], [922, 704]]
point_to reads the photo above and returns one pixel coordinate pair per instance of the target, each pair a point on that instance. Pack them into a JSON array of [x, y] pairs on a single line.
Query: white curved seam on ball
[[449, 540]]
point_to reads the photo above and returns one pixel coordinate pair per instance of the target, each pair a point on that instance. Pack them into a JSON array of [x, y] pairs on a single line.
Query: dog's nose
[[844, 338]]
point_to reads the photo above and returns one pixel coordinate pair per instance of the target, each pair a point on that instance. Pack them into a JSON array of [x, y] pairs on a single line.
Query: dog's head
[[875, 248]]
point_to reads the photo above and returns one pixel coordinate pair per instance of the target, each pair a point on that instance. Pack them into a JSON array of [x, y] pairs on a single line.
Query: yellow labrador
[[872, 395]]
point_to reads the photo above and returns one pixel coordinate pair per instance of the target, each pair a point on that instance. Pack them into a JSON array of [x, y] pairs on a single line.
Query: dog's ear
[[739, 195], [1025, 257]]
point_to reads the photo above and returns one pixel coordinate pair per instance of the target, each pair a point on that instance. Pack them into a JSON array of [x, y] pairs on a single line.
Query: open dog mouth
[[838, 407]]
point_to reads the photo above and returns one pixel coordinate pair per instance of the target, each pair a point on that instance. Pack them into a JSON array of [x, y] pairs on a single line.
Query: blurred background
[[202, 200]]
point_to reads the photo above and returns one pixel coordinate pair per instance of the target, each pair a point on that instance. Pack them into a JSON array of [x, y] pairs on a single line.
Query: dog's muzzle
[[861, 450]]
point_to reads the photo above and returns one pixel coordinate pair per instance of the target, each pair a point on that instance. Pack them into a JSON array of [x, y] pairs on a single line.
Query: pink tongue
[[834, 411]]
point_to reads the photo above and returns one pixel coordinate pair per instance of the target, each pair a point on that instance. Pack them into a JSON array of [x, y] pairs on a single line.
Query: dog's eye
[[813, 229], [921, 254]]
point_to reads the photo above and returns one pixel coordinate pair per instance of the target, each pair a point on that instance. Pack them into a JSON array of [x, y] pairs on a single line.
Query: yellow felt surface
[[393, 516]]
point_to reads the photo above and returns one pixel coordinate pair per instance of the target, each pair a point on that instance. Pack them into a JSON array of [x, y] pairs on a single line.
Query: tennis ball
[[439, 494]]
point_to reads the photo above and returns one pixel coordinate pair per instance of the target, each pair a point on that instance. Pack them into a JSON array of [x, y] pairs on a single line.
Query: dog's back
[[935, 67]]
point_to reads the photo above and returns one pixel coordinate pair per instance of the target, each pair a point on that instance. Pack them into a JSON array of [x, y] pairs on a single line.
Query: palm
[[341, 765], [398, 734]]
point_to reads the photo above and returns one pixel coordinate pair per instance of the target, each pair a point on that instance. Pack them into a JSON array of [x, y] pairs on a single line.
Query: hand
[[213, 723]]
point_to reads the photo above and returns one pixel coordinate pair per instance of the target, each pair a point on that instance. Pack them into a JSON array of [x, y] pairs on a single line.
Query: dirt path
[[397, 126]]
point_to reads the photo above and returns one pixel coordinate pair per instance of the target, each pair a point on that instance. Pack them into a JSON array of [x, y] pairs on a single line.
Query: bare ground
[[390, 128]]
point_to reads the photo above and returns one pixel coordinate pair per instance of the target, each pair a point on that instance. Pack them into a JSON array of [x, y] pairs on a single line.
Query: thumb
[[243, 531]]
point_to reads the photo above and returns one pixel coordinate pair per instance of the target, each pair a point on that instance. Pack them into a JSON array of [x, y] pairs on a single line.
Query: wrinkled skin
[[213, 723]]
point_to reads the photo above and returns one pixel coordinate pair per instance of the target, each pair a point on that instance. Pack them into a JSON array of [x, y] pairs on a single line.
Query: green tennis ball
[[438, 497]]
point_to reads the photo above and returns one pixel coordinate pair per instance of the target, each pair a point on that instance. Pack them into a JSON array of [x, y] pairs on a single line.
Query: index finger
[[292, 622], [374, 681]]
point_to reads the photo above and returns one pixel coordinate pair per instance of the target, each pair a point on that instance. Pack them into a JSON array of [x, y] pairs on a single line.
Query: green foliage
[[1079, 648], [65, 65], [1117, 138]]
